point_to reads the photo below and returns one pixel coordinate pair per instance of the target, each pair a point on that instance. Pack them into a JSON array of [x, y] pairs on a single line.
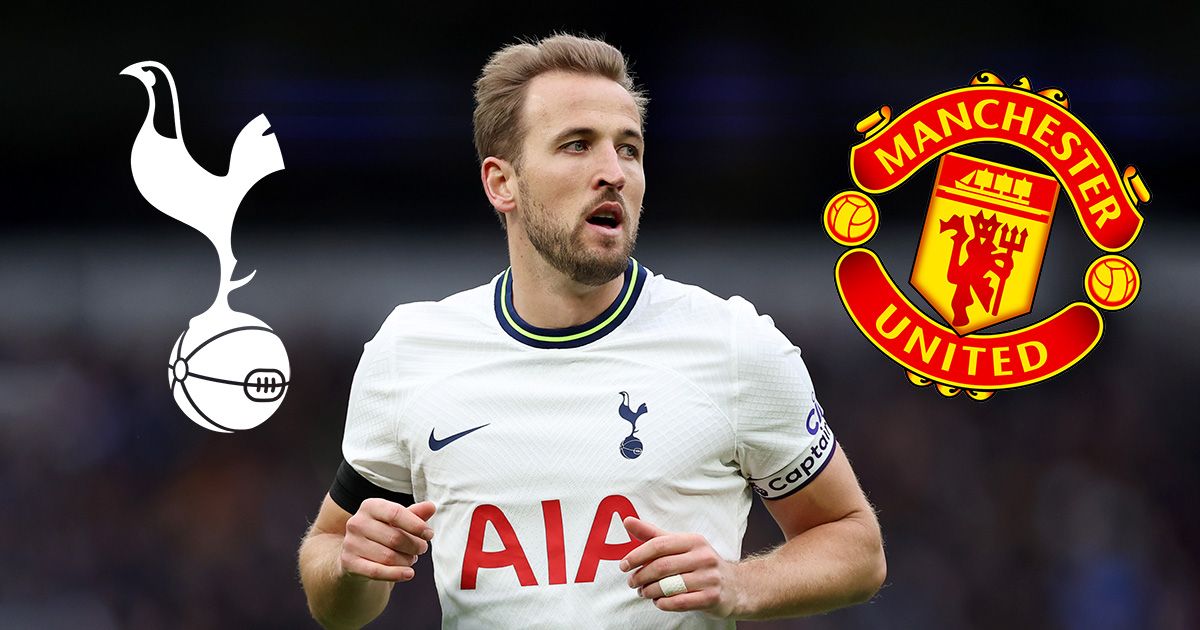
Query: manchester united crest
[[985, 235]]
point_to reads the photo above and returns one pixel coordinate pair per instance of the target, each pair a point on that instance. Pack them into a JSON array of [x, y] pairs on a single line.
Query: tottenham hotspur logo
[[228, 371], [631, 447]]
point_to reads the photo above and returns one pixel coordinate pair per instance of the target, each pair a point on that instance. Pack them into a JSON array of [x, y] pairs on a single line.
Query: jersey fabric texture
[[673, 405]]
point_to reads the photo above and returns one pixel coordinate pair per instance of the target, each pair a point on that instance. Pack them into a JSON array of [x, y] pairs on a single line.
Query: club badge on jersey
[[631, 447]]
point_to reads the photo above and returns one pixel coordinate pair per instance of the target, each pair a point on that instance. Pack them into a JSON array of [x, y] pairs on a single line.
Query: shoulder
[[665, 292], [734, 315], [731, 327], [418, 339], [689, 323], [459, 312]]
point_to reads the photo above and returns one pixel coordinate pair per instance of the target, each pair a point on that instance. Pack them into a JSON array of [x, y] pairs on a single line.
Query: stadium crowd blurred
[[1064, 505]]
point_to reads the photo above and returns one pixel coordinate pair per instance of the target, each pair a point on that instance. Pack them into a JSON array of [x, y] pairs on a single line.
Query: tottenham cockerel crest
[[228, 371]]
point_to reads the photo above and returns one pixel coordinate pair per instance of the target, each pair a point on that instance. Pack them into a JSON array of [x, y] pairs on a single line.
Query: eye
[[578, 146], [629, 150]]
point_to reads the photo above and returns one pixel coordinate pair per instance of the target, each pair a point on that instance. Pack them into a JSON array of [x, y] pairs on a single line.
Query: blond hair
[[500, 89]]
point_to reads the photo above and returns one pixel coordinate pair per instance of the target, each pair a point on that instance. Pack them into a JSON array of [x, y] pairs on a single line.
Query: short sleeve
[[783, 441], [371, 444]]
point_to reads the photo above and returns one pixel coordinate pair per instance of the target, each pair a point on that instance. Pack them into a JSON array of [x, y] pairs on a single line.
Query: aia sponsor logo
[[513, 556]]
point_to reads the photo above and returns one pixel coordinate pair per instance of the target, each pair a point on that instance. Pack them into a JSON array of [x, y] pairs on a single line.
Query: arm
[[833, 557], [348, 563]]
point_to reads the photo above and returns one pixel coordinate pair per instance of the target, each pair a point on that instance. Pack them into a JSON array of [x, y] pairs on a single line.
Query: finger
[[377, 553], [656, 548], [654, 591], [375, 571], [642, 530], [386, 535], [399, 516], [423, 510], [659, 568], [698, 600]]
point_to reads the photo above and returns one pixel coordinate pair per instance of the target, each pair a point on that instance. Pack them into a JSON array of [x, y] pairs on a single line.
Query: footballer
[[577, 442]]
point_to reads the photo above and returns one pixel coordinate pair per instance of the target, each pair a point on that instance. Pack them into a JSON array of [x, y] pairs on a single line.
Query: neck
[[547, 298]]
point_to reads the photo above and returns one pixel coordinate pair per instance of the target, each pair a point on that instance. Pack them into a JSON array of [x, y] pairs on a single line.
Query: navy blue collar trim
[[575, 336]]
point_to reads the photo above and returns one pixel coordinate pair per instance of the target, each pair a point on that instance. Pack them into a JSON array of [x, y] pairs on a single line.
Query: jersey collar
[[575, 336]]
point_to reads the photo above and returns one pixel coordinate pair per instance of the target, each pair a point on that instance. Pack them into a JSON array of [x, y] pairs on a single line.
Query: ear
[[499, 184]]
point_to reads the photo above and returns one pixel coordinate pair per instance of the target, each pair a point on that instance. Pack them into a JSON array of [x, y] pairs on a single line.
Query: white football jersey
[[534, 444]]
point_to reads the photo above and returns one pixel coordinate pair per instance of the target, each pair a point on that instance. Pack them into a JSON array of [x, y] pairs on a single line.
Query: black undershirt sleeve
[[350, 489]]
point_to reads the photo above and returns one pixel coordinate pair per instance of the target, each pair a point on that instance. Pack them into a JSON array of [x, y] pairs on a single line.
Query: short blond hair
[[500, 88]]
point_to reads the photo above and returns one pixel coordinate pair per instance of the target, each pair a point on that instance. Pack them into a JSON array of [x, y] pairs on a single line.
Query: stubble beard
[[565, 250]]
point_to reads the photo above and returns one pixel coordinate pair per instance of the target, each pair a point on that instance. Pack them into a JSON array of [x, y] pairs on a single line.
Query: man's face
[[580, 180]]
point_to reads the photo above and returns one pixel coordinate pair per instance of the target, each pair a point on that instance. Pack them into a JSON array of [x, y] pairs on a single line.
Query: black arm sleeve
[[350, 489]]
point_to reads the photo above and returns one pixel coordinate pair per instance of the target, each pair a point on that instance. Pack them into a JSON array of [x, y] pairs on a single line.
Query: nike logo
[[437, 445]]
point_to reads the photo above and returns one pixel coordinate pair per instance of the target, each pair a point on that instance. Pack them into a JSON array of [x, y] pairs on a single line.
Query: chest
[[494, 432]]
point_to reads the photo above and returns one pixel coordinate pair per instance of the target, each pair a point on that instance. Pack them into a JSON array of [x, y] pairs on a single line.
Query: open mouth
[[608, 215]]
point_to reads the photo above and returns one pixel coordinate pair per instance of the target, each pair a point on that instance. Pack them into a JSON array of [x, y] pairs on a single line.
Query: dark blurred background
[[1061, 505]]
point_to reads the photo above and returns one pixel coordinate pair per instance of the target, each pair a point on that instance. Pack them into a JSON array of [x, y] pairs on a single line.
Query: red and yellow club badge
[[985, 234]]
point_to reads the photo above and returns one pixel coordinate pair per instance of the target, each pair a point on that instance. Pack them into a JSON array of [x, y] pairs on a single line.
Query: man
[[582, 435]]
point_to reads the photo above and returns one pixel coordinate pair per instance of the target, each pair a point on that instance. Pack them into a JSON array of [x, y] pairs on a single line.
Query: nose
[[610, 173]]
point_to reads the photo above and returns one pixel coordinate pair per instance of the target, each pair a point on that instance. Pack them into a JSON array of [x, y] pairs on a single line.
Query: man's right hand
[[384, 539]]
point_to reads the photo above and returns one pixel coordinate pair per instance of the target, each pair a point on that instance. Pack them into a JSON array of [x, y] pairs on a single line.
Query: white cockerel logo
[[173, 182], [239, 379]]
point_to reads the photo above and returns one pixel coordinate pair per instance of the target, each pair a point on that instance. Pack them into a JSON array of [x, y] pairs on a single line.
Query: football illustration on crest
[[228, 372]]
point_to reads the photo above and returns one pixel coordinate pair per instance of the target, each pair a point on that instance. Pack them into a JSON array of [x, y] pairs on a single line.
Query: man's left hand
[[709, 578]]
